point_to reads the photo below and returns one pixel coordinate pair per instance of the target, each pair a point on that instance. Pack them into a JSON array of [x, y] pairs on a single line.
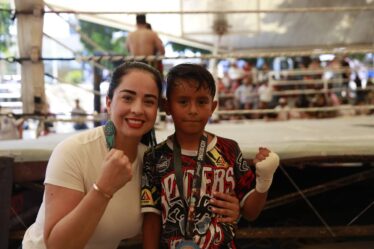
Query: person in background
[[283, 110], [158, 63], [10, 127], [79, 114], [182, 176], [46, 125], [265, 95], [246, 96], [144, 41]]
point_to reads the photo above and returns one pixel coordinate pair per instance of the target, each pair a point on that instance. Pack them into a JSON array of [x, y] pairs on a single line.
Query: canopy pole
[[213, 69], [30, 34]]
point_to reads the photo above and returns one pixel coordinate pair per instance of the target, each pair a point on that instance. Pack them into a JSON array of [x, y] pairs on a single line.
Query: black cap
[[140, 19]]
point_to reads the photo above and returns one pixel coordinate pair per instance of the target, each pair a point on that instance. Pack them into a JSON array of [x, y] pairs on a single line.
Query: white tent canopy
[[247, 26]]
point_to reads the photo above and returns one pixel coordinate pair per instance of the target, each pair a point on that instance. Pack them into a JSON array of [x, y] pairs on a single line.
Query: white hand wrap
[[265, 171]]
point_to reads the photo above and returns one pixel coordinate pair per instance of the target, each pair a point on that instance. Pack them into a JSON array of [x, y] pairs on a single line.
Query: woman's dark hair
[[190, 72], [149, 138], [128, 67]]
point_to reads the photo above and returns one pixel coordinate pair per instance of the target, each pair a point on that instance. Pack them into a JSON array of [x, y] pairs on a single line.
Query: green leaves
[[5, 23], [103, 36]]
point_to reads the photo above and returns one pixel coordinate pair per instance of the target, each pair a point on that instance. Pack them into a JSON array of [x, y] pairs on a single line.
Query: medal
[[187, 244]]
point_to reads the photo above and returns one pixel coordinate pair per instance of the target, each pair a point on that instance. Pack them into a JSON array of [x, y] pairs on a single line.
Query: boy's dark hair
[[190, 72], [140, 19]]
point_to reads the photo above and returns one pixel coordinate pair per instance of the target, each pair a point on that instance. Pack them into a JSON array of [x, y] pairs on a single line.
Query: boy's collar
[[211, 145]]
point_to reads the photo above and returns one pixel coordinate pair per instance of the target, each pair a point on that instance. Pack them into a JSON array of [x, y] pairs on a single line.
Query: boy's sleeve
[[150, 189], [244, 176]]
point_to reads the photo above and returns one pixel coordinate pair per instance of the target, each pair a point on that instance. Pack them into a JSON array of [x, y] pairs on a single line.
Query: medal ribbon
[[196, 181]]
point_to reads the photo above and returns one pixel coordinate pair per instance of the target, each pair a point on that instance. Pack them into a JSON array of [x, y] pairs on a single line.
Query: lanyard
[[196, 182]]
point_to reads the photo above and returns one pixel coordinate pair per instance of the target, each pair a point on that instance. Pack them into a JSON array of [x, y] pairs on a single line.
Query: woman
[[92, 183]]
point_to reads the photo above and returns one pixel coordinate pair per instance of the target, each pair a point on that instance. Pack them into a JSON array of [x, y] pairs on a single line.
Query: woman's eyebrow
[[128, 91], [151, 96], [147, 95]]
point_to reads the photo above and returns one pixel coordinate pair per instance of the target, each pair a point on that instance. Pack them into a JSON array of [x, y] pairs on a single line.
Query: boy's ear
[[214, 105], [165, 106]]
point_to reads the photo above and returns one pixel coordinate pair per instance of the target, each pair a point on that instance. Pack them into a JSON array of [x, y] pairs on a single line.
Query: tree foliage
[[5, 23], [181, 48], [105, 38], [102, 36]]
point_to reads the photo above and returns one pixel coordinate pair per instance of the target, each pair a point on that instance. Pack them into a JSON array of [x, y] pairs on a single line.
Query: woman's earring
[[110, 134]]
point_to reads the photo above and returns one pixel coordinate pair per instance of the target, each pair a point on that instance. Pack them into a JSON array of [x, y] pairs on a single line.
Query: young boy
[[198, 164]]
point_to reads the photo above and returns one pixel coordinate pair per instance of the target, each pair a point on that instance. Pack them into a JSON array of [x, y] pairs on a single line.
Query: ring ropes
[[96, 59], [110, 57], [198, 12], [276, 93], [115, 57]]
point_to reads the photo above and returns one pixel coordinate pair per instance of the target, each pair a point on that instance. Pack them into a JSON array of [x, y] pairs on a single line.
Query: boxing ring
[[301, 144]]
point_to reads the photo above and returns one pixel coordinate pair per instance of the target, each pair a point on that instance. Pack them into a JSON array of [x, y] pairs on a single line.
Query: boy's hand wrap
[[264, 172]]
